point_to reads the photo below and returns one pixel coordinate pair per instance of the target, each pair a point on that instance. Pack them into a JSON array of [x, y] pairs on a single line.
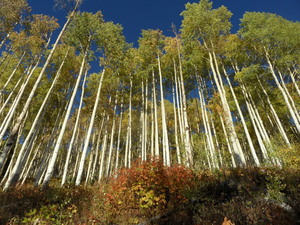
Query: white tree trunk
[[112, 134], [249, 139], [156, 143], [166, 149], [278, 122], [89, 132], [63, 128], [285, 96], [236, 147], [176, 127], [18, 164], [74, 132]]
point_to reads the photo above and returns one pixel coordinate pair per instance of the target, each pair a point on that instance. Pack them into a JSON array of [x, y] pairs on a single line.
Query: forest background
[[79, 103]]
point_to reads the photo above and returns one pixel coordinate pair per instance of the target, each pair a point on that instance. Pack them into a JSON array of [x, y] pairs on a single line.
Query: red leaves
[[149, 186]]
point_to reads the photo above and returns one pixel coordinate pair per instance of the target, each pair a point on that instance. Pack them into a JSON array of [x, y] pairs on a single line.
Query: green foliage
[[82, 31], [202, 22], [289, 156], [50, 214], [55, 205], [275, 186]]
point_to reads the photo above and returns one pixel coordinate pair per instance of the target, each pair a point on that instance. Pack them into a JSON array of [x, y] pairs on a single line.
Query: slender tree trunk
[[89, 167], [176, 128], [119, 137], [104, 146], [146, 122], [108, 165], [87, 139], [12, 74], [143, 124], [294, 82], [166, 149], [7, 100], [227, 141], [30, 165], [156, 143], [12, 109], [128, 136], [18, 164], [76, 126], [62, 131], [236, 147], [296, 120], [152, 126], [278, 122], [186, 128], [207, 128], [255, 126], [96, 162], [249, 139]]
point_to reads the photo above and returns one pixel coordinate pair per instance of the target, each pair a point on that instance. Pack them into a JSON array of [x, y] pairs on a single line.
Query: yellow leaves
[[120, 202], [151, 199], [290, 156]]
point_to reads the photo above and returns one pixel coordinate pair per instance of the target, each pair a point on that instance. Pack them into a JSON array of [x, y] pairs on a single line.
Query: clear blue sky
[[135, 15]]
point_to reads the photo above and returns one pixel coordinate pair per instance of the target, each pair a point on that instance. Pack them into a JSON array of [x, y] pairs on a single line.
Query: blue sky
[[135, 15]]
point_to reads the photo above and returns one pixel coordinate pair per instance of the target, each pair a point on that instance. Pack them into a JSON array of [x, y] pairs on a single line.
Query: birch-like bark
[[156, 143], [218, 155], [89, 167], [33, 90], [97, 147], [64, 125], [236, 147], [179, 106], [87, 138], [12, 74], [285, 96], [119, 138], [249, 139], [207, 128], [12, 109], [104, 146], [112, 134], [289, 96], [18, 164], [76, 126], [176, 127], [227, 141], [46, 155], [292, 75], [166, 149], [142, 146], [187, 141], [25, 175], [278, 122], [128, 135], [7, 100], [152, 127], [146, 122], [255, 126]]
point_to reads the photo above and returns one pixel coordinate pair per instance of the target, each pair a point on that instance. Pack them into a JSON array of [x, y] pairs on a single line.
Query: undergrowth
[[150, 193]]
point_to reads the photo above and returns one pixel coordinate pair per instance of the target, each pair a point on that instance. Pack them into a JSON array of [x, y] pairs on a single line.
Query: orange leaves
[[149, 186], [227, 222]]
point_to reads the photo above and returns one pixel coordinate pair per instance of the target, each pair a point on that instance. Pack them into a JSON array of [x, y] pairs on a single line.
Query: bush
[[145, 190]]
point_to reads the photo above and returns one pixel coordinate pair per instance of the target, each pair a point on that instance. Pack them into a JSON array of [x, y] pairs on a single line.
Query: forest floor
[[150, 193]]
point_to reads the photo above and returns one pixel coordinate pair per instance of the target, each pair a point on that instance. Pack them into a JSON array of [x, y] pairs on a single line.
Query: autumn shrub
[[146, 189]]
